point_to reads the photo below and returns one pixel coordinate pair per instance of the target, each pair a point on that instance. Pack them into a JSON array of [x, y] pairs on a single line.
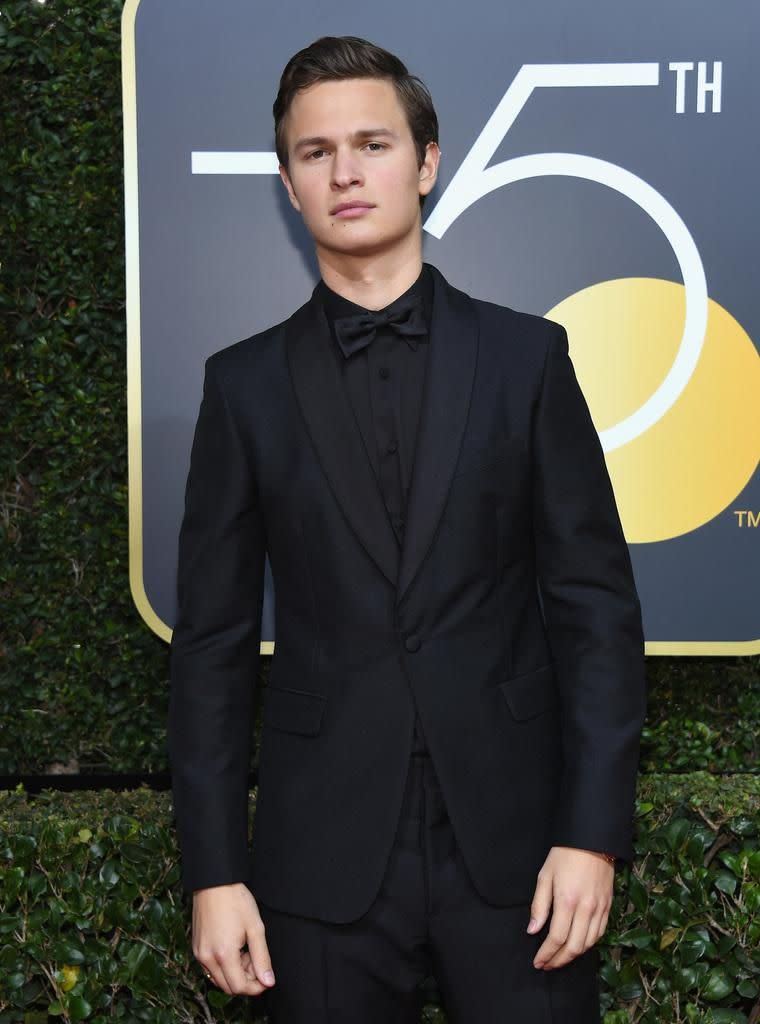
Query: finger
[[594, 929], [209, 975], [575, 943], [541, 904], [559, 928], [231, 967], [262, 962], [247, 982], [247, 965], [604, 914], [211, 970], [256, 988], [221, 974]]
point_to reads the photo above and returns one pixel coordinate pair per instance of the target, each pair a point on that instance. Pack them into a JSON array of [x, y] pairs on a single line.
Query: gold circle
[[687, 468]]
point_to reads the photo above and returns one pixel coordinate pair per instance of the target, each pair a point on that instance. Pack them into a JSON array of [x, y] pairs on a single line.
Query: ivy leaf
[[725, 882], [719, 985], [637, 894], [79, 1008], [669, 936], [692, 948]]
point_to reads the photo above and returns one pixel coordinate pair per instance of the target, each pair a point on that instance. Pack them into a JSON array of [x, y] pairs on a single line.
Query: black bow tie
[[355, 332]]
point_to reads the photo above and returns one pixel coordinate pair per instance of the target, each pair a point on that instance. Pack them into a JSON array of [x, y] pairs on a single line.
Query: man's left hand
[[579, 883]]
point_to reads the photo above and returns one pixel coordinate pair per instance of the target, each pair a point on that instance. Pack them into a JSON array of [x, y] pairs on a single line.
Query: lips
[[351, 206]]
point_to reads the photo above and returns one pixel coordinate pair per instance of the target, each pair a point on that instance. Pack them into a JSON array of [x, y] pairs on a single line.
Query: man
[[451, 727]]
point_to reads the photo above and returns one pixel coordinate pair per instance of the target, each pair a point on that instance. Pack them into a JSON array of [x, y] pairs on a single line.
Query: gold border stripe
[[134, 403]]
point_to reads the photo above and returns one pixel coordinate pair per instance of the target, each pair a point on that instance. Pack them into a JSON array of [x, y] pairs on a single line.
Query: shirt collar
[[336, 305]]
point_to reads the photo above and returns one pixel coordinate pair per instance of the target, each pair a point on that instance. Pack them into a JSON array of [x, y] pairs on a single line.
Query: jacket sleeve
[[592, 614], [215, 648]]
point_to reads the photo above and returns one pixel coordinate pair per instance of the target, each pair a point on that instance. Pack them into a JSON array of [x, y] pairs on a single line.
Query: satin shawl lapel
[[332, 426]]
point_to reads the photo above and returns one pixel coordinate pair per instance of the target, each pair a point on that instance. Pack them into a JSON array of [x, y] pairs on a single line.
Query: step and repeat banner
[[599, 167]]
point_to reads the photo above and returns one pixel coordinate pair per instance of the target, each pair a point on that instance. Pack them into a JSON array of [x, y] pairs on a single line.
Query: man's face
[[349, 142]]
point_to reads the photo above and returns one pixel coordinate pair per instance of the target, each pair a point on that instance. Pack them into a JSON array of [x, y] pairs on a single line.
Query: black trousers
[[427, 919]]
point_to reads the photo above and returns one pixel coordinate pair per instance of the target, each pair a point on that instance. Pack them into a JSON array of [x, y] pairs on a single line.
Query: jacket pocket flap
[[293, 710], [530, 693]]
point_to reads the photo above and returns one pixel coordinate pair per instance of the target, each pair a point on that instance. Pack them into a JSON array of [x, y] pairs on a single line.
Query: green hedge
[[83, 679], [94, 925]]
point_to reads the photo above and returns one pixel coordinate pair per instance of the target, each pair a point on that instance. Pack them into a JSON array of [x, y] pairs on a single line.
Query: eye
[[314, 153], [380, 144]]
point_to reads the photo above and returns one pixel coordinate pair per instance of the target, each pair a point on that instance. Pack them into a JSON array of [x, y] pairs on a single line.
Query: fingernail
[[532, 924], [269, 977], [539, 963]]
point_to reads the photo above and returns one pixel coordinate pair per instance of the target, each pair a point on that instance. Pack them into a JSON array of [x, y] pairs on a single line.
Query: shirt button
[[398, 522], [412, 642], [384, 372], [392, 447]]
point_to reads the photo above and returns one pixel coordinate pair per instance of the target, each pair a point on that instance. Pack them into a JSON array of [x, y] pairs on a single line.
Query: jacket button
[[412, 642]]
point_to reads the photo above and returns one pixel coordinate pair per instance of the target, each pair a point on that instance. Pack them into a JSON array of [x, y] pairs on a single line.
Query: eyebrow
[[362, 133]]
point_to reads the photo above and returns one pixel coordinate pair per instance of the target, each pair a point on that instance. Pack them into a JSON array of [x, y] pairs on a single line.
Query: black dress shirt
[[385, 382]]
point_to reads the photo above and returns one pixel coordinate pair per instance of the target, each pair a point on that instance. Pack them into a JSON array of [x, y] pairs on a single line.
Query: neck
[[373, 281]]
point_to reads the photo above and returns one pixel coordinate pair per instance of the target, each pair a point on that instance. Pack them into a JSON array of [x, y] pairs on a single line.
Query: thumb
[[260, 960], [540, 905]]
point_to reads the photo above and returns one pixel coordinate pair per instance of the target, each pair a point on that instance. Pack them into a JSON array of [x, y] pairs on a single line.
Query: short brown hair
[[332, 58]]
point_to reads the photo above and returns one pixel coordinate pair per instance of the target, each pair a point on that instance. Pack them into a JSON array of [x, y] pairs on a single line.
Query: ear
[[289, 186], [429, 170]]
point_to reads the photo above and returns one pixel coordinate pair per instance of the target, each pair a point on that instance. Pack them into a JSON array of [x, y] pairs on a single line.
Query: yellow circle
[[689, 466]]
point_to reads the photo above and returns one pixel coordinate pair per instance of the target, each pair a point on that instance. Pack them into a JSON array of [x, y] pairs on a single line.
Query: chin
[[360, 242], [356, 245]]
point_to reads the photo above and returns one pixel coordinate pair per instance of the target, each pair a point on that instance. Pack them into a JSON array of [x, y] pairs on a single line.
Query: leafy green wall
[[84, 679]]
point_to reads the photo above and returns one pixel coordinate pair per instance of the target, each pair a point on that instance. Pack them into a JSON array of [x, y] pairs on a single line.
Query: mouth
[[350, 210]]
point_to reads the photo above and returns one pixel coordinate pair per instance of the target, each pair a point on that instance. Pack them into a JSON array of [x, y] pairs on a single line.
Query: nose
[[345, 168]]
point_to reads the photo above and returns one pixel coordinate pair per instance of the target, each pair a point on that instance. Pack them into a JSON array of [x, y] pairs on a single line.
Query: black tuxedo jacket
[[509, 617]]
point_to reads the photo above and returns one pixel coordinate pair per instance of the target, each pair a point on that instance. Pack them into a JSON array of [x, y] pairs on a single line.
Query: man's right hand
[[225, 917]]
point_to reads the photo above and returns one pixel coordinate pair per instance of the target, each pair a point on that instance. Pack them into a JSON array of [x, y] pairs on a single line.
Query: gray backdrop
[[223, 255]]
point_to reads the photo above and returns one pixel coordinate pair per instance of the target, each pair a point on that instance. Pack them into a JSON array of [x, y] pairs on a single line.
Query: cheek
[[400, 190], [307, 197], [307, 189]]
